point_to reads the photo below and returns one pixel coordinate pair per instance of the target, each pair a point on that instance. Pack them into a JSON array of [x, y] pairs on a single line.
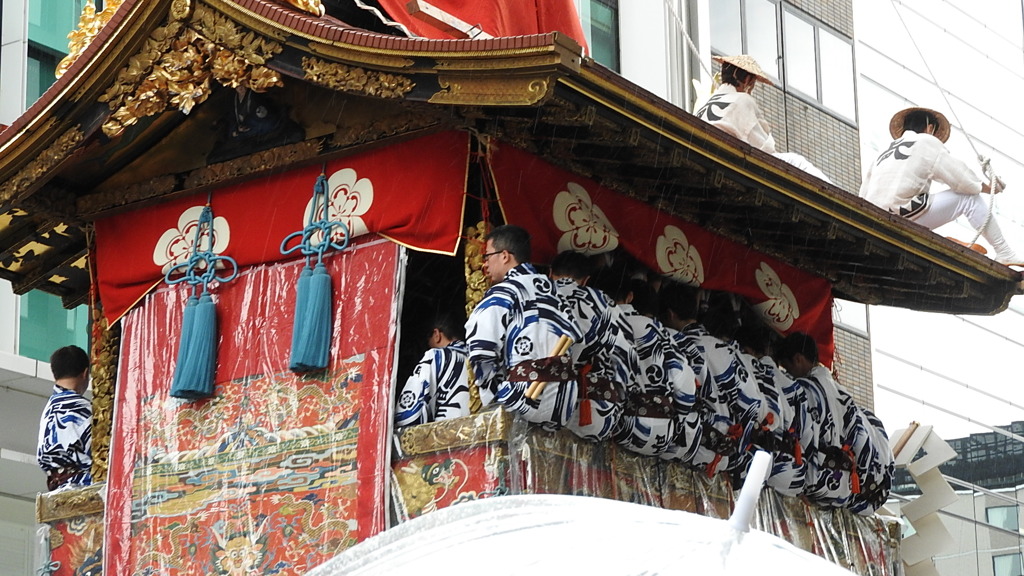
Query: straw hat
[[941, 128], [745, 62]]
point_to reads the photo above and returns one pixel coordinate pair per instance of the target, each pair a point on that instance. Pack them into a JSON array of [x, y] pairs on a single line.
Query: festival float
[[210, 176]]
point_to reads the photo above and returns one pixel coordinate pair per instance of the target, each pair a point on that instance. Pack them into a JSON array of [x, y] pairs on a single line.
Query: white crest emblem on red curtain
[[175, 244], [349, 198], [678, 258], [585, 227], [781, 307]]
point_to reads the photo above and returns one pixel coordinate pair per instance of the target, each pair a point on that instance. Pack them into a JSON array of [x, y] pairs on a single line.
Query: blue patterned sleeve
[[486, 332], [414, 399]]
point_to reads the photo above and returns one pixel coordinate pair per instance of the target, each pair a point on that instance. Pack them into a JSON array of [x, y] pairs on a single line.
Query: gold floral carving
[[106, 344], [180, 9], [89, 25], [483, 428], [491, 90], [70, 503], [314, 7], [54, 154], [254, 163], [178, 62], [476, 280], [354, 79]]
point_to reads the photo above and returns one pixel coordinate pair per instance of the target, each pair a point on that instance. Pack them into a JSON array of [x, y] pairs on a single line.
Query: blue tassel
[[196, 368], [311, 331]]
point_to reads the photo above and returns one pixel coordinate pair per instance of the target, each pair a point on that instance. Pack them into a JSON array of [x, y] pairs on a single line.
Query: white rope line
[[689, 41]]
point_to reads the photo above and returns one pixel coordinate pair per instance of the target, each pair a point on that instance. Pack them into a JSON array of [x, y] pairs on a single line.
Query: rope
[[689, 41], [986, 164], [201, 267], [318, 234]]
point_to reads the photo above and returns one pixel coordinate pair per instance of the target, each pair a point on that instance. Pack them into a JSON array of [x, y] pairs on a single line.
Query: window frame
[[782, 8], [997, 557], [586, 20], [1014, 513]]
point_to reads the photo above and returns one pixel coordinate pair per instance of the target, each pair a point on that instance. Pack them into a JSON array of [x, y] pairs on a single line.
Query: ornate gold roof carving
[[89, 25], [178, 61], [53, 155], [492, 90], [356, 80]]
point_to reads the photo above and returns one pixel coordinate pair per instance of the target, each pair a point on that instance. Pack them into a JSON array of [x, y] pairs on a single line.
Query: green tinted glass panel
[[40, 69], [50, 21], [46, 326], [604, 32]]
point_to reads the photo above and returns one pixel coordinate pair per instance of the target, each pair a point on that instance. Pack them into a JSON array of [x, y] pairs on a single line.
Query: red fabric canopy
[[411, 192], [496, 17], [563, 211]]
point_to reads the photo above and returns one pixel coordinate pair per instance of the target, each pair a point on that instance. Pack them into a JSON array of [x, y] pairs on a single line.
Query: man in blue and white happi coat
[[729, 401], [438, 388], [791, 432], [606, 353], [65, 427], [662, 391], [831, 465], [514, 332]]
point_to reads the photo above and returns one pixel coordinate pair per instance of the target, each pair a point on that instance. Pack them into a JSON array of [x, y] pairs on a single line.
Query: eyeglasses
[[487, 255]]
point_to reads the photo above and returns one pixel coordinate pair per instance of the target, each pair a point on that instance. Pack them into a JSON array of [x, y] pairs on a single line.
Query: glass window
[[837, 90], [46, 325], [763, 35], [726, 27], [41, 70], [816, 63], [601, 25], [1003, 517], [50, 21], [1007, 565], [801, 70]]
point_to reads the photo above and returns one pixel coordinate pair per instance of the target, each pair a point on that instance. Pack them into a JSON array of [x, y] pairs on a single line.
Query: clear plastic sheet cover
[[448, 463], [278, 471], [557, 534]]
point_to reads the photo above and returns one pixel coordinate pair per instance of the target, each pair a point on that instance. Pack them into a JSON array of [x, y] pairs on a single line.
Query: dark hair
[[68, 362], [645, 299], [572, 264], [918, 121], [513, 239], [679, 298], [734, 75], [721, 318], [452, 328], [613, 281], [755, 336], [797, 343]]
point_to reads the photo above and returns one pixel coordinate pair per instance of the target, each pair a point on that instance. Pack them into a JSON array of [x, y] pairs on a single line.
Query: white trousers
[[946, 206]]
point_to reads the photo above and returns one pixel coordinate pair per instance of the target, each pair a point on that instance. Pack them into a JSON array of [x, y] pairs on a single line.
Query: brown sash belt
[[550, 369]]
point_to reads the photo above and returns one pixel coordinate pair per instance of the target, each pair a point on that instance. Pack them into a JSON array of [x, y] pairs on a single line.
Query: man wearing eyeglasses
[[514, 331]]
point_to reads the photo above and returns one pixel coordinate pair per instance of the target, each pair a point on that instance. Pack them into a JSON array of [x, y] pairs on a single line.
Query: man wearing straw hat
[[900, 180], [732, 109], [519, 334]]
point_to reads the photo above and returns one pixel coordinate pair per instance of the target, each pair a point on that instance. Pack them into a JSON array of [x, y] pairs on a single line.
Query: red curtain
[[563, 211], [411, 192], [497, 17]]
